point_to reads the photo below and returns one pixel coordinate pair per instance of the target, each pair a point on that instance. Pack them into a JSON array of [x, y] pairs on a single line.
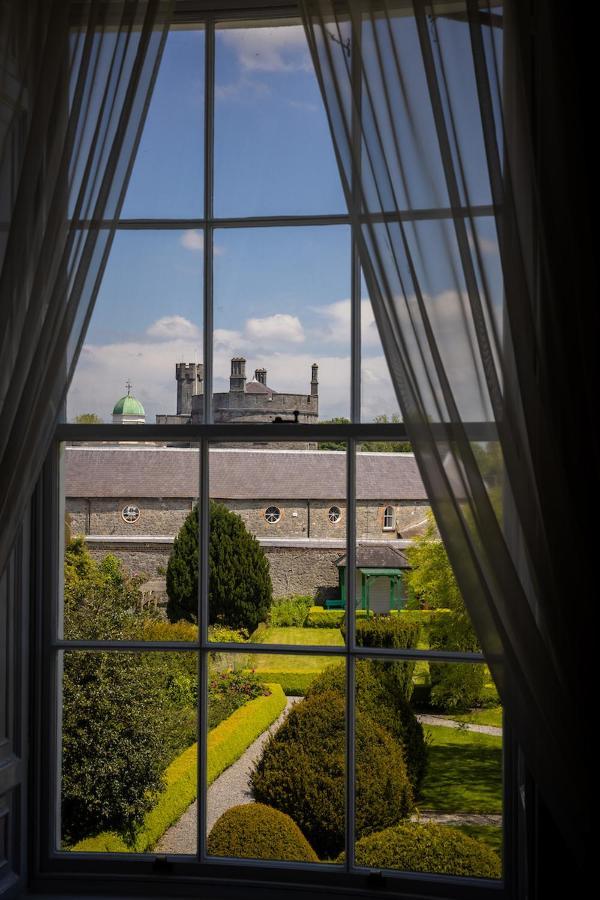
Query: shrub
[[386, 706], [294, 684], [227, 691], [438, 849], [240, 591], [390, 631], [255, 831], [454, 686], [289, 611], [324, 618], [302, 773]]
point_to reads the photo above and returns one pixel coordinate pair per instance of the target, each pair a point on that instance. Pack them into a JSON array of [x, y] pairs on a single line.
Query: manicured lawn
[[491, 715], [488, 834], [276, 663], [464, 772]]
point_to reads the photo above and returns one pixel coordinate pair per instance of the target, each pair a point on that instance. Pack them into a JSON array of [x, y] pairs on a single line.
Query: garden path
[[463, 726], [229, 789], [425, 815]]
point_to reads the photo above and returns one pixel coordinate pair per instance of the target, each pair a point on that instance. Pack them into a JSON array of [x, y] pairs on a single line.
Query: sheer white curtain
[[429, 114], [75, 81]]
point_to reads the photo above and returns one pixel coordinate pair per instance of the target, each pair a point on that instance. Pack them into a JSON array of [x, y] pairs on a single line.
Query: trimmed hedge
[[256, 831], [294, 684], [375, 694], [390, 631], [436, 849], [226, 743], [456, 686], [324, 618], [302, 773]]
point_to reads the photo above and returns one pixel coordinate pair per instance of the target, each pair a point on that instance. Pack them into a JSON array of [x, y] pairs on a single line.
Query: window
[[130, 514], [249, 337], [389, 518], [334, 514], [272, 515]]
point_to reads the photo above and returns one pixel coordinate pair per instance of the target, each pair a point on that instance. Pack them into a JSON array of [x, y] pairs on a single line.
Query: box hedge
[[256, 831], [302, 773], [428, 847]]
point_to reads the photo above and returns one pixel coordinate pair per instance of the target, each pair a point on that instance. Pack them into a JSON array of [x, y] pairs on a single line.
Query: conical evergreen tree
[[240, 590]]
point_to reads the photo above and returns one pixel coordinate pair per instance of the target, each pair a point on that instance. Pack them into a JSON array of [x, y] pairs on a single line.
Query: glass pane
[[282, 324], [277, 791], [273, 150], [278, 532], [444, 765], [131, 544], [378, 398], [174, 131], [129, 751], [145, 335]]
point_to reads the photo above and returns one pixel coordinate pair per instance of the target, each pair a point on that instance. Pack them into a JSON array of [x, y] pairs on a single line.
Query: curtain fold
[[75, 83], [430, 117]]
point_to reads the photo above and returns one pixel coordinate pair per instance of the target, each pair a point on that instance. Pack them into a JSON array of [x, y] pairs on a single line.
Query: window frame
[[151, 873]]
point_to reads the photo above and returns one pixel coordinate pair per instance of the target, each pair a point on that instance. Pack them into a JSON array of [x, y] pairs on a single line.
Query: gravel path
[[425, 815], [463, 726], [229, 789]]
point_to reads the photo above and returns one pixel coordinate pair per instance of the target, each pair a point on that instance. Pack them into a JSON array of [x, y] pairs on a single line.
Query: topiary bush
[[437, 849], [455, 686], [240, 591], [388, 707], [390, 631], [302, 773], [256, 831]]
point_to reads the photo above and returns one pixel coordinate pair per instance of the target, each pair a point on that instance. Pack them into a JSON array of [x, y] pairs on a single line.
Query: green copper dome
[[128, 406]]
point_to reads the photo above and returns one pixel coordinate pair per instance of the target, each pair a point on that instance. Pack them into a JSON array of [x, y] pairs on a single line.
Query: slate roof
[[126, 471], [380, 557]]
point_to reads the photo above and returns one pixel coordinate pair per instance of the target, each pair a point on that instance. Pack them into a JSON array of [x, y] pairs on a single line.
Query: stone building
[[132, 500], [246, 401]]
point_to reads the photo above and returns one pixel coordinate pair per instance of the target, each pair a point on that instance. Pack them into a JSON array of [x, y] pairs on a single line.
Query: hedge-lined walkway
[[229, 789], [444, 722]]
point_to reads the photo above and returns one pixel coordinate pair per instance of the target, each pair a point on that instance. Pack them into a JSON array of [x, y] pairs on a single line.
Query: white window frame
[[238, 878], [389, 518]]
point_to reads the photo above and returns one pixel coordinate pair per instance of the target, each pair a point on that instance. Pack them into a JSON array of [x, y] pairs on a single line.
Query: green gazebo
[[379, 579]]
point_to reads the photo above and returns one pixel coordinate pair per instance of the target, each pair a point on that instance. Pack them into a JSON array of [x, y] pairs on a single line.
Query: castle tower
[[314, 381], [237, 380], [190, 377]]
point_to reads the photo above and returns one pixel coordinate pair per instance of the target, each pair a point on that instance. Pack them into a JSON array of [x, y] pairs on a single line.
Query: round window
[[130, 514], [272, 515], [335, 514]]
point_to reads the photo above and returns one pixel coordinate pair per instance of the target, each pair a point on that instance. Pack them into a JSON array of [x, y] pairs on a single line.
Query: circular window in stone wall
[[272, 514], [334, 514], [130, 514]]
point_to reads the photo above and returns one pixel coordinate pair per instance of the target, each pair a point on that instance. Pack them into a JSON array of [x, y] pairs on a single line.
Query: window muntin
[[204, 232], [272, 514], [389, 518], [334, 515]]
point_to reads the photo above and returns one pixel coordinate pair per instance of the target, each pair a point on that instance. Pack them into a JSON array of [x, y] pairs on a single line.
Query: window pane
[[129, 752], [146, 322], [125, 504], [281, 308], [444, 760], [273, 150], [378, 398], [282, 797], [278, 531], [167, 179]]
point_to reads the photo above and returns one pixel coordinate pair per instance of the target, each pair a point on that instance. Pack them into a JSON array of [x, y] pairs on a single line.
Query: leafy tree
[[240, 590], [124, 715], [386, 446], [334, 445], [88, 419]]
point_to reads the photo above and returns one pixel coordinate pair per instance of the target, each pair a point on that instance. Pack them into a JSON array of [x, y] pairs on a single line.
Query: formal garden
[[428, 748]]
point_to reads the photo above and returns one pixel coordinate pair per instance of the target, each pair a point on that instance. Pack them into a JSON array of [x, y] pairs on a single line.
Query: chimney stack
[[261, 375], [314, 381]]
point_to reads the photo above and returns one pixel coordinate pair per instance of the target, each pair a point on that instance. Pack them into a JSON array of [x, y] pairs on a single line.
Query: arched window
[[389, 519]]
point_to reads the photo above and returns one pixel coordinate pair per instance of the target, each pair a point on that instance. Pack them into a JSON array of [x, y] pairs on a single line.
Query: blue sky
[[281, 295]]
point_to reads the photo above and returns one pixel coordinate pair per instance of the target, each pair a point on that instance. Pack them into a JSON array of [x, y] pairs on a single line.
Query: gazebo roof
[[380, 557]]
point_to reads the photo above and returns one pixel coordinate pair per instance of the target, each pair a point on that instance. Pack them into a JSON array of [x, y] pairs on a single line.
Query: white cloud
[[337, 322], [194, 240], [272, 49], [279, 327], [173, 328]]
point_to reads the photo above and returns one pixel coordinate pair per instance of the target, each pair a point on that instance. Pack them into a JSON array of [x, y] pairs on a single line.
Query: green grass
[[464, 772], [490, 715], [271, 663], [487, 834]]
